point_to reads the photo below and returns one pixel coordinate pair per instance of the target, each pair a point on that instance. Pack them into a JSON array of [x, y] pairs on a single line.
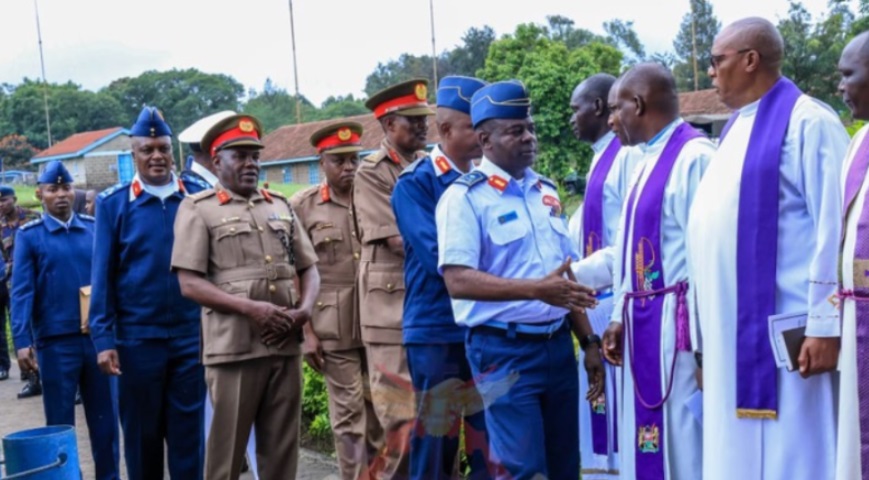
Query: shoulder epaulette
[[376, 156], [31, 224], [113, 190], [276, 193], [199, 196], [549, 182], [87, 218], [472, 178], [304, 194], [410, 168]]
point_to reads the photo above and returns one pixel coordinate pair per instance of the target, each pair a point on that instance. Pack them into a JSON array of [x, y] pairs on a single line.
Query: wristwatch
[[584, 342]]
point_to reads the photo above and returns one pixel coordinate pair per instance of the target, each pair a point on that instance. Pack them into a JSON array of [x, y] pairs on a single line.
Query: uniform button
[[250, 204], [268, 259], [273, 288], [356, 255], [328, 239], [260, 229], [320, 304], [231, 229], [353, 233], [389, 286]]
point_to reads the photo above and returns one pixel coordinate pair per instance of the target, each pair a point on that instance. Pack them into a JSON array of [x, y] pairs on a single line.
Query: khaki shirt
[[381, 273], [235, 243], [330, 226]]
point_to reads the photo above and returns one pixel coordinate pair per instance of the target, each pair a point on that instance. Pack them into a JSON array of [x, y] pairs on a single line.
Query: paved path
[[18, 415]]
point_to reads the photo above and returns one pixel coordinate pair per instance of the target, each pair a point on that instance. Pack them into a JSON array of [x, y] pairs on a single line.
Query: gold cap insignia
[[421, 91], [245, 126], [344, 134]]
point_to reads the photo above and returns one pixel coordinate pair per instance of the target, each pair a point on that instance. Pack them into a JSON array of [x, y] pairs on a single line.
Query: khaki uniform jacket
[[236, 243], [329, 224], [381, 273]]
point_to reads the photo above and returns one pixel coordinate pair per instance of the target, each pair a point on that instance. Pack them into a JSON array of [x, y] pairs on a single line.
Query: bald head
[[854, 68], [647, 101], [754, 33], [590, 107]]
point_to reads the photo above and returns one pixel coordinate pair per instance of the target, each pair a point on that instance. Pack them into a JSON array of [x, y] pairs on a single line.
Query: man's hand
[[108, 362], [818, 355], [269, 318], [27, 360], [612, 343], [558, 291], [313, 351], [596, 373], [300, 317]]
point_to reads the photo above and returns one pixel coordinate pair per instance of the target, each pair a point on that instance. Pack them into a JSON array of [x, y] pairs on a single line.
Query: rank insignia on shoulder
[[266, 195], [223, 197], [31, 224], [113, 189], [508, 217], [86, 217], [472, 178], [548, 181], [498, 183]]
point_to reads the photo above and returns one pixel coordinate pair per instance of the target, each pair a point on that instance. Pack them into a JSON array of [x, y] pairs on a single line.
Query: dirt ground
[[16, 415]]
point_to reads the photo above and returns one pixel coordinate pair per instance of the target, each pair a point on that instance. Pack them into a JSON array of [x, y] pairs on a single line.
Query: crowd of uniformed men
[[437, 292]]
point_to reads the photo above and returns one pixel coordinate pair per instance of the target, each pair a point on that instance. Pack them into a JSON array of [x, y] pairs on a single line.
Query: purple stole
[[646, 300], [592, 240], [756, 250], [592, 206], [856, 174]]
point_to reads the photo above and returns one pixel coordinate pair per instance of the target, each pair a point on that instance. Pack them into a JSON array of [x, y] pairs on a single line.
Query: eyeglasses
[[715, 60]]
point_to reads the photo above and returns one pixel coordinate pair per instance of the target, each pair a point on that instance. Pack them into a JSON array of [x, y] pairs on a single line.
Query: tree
[[274, 107], [812, 49], [407, 67], [706, 27], [16, 152], [183, 96], [549, 69], [341, 107], [470, 57], [622, 35]]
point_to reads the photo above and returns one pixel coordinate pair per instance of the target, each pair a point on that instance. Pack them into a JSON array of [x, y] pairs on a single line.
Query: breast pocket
[[225, 333], [326, 241], [280, 232], [505, 234], [230, 239], [382, 298]]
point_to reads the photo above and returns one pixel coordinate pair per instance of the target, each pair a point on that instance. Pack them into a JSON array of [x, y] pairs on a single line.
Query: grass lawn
[[288, 189]]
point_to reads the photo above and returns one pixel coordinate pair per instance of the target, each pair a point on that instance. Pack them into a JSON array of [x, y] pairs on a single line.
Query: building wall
[[102, 171], [300, 173], [96, 171]]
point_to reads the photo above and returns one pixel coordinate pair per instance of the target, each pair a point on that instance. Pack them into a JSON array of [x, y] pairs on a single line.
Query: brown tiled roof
[[701, 102], [292, 141], [76, 142]]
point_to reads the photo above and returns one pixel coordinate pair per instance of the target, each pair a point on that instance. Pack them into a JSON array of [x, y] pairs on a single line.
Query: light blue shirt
[[519, 232]]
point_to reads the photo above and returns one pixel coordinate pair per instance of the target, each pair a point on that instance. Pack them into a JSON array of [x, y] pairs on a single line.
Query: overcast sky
[[338, 42]]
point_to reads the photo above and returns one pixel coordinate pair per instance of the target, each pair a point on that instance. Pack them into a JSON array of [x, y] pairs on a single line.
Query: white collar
[[600, 145], [137, 186], [660, 140], [204, 173]]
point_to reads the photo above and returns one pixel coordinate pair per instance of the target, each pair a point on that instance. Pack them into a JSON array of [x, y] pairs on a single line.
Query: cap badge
[[421, 91], [344, 134], [245, 126]]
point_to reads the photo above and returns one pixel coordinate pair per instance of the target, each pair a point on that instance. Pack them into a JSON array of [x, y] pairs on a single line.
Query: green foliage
[[550, 69], [854, 127], [16, 151], [812, 49], [706, 27], [315, 405], [183, 96], [274, 107]]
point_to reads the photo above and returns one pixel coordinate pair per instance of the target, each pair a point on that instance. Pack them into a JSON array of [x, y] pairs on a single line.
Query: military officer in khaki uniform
[[238, 250], [403, 114], [333, 341]]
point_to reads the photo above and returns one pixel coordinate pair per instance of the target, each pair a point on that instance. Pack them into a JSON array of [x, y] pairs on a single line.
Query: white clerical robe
[[801, 443], [848, 462], [681, 440], [615, 191]]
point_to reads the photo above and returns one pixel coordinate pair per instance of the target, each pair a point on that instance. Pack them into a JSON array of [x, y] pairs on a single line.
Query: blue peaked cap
[[150, 124], [55, 173], [508, 99], [455, 92], [6, 191]]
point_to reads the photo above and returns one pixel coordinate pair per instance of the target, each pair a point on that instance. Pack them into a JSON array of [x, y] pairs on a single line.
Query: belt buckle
[[271, 271]]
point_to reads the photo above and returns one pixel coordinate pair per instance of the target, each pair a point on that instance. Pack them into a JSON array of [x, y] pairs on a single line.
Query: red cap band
[[243, 130], [334, 140], [400, 103]]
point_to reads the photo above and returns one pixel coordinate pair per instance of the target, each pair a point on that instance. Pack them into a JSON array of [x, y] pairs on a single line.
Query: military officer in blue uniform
[[504, 251], [140, 323], [435, 345], [52, 262]]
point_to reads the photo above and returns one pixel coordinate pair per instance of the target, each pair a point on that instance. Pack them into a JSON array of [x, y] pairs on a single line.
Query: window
[[313, 173], [262, 175], [288, 175]]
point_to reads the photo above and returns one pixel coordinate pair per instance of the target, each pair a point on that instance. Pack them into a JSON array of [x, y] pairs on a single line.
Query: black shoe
[[4, 374], [77, 397], [244, 465], [32, 389], [23, 377]]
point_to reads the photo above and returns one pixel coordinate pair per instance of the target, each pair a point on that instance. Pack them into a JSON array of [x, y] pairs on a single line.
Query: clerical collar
[[750, 109], [204, 173], [600, 145], [663, 132]]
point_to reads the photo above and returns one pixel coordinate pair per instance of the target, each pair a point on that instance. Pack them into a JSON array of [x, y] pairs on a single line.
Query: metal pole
[[44, 83], [434, 55], [694, 45], [295, 67]]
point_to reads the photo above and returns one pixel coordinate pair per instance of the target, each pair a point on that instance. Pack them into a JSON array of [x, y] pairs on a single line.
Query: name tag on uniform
[[230, 219], [508, 217]]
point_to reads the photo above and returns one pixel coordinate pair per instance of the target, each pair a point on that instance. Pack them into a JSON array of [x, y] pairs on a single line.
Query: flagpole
[[295, 67], [434, 55], [44, 82]]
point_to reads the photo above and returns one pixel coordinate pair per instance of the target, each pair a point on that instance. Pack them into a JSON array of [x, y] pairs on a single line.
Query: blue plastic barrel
[[47, 453]]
